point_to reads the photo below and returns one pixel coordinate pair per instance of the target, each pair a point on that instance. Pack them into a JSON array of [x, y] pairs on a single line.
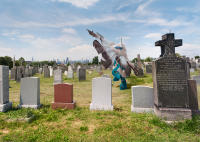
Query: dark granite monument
[[170, 80]]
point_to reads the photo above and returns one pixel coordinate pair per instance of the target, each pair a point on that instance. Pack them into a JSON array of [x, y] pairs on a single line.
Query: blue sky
[[51, 29]]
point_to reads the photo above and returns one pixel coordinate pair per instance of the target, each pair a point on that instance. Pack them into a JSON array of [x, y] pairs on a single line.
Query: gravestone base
[[100, 107], [5, 107], [57, 105], [30, 106], [173, 114], [141, 110]]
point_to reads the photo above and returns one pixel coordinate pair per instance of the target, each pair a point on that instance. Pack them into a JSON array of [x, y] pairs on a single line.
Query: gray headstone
[[5, 105], [13, 75], [30, 92], [19, 74], [46, 72], [142, 99], [58, 76], [101, 94], [27, 74], [149, 68], [170, 81], [82, 74]]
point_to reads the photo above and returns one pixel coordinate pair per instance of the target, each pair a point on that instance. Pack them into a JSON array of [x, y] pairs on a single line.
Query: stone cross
[[168, 44]]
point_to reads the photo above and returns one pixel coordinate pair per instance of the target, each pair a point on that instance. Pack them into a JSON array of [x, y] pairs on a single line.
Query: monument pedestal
[[56, 105], [5, 107], [100, 107], [173, 114], [30, 106]]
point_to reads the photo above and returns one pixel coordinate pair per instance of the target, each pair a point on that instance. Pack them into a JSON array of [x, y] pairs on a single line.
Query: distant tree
[[197, 57], [134, 60], [22, 61], [95, 60], [148, 59], [7, 61], [178, 55]]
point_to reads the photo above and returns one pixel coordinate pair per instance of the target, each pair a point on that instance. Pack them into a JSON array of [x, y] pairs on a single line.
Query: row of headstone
[[20, 72], [29, 91]]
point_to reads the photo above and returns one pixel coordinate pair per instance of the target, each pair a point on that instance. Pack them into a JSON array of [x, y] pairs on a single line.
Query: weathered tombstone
[[27, 74], [13, 75], [101, 94], [63, 96], [70, 73], [149, 68], [171, 99], [82, 74], [30, 92], [31, 72], [58, 76], [139, 63], [5, 105], [142, 99], [19, 74], [46, 72], [22, 71], [197, 78]]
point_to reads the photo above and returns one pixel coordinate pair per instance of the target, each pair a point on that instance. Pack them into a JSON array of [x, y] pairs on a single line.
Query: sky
[[56, 29]]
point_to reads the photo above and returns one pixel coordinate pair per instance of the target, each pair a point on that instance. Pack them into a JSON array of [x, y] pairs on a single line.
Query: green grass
[[81, 124]]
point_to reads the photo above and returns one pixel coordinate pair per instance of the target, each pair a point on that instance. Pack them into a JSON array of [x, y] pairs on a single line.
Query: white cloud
[[69, 30], [189, 49], [10, 34], [82, 51], [153, 35], [80, 3], [26, 37]]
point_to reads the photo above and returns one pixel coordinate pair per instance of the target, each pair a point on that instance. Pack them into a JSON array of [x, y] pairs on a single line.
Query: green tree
[[95, 60], [134, 60], [7, 61], [197, 57], [148, 59], [22, 61], [178, 55]]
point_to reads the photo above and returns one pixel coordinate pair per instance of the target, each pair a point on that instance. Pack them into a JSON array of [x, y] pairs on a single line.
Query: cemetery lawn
[[81, 124]]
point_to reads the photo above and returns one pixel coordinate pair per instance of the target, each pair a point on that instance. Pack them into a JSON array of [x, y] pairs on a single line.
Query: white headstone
[[65, 73], [51, 71], [70, 73], [58, 76], [101, 94], [142, 99]]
